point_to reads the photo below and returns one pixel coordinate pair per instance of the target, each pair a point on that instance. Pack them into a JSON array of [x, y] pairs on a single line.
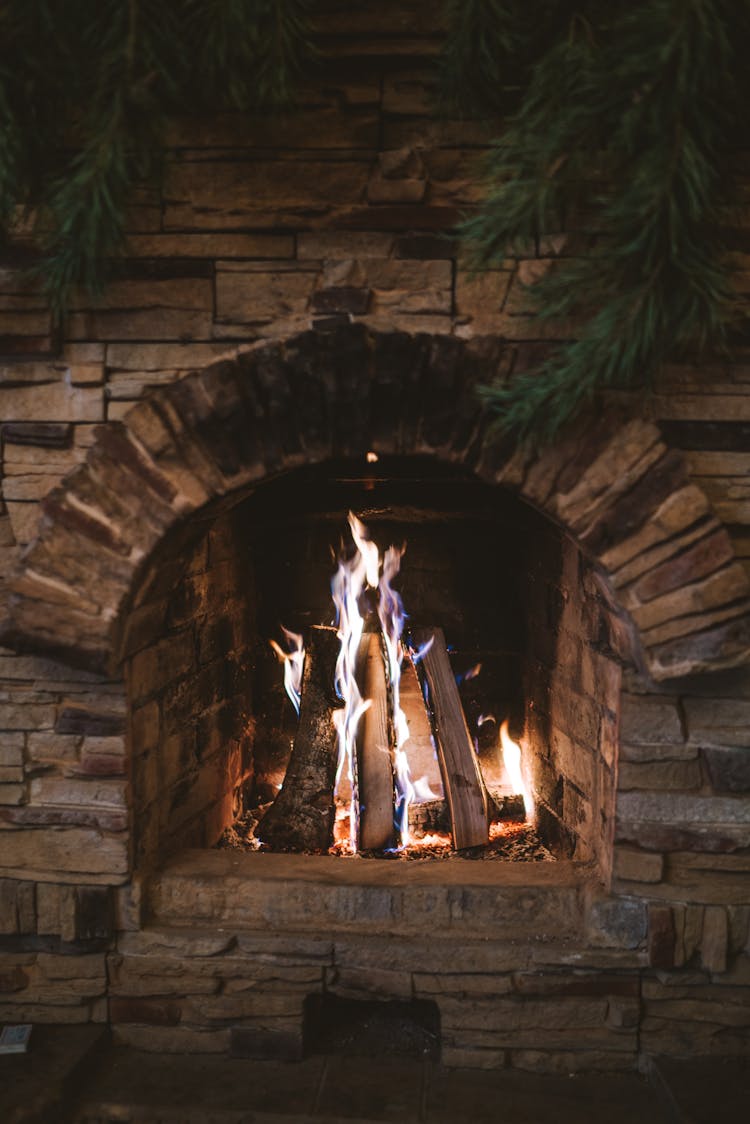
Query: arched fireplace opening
[[528, 633]]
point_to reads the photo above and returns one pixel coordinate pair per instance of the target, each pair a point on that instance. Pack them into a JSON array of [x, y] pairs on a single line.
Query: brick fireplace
[[200, 433]]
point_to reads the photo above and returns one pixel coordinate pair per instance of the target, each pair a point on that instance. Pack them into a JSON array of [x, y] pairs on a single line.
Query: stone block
[[82, 792], [718, 722], [261, 297], [708, 596], [368, 983], [721, 636], [11, 750], [383, 189], [679, 809], [661, 936], [49, 746], [648, 720], [45, 435], [12, 794], [55, 402], [173, 308], [334, 245], [633, 865], [714, 940], [8, 911], [56, 908], [711, 839], [213, 245], [262, 194], [481, 297], [646, 754], [22, 715], [673, 776], [405, 286], [704, 557], [82, 719], [728, 768], [617, 922], [26, 907], [165, 662], [23, 516], [432, 984], [47, 852]]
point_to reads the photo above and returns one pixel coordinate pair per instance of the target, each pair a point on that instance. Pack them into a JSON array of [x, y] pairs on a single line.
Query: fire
[[512, 760], [293, 661], [348, 584], [361, 587], [352, 578], [392, 617]]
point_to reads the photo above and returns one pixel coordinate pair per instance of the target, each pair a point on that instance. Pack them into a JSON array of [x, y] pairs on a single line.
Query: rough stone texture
[[264, 228], [222, 446]]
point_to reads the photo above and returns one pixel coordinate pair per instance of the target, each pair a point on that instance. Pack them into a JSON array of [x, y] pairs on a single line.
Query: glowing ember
[[512, 759], [293, 660]]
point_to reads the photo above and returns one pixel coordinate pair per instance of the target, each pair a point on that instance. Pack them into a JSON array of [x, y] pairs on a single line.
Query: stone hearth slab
[[323, 894]]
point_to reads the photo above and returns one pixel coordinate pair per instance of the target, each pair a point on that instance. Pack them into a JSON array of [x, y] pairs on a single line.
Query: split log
[[462, 780], [374, 760], [302, 815], [419, 746]]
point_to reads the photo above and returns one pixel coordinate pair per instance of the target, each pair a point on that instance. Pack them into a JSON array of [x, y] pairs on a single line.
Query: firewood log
[[374, 754], [462, 779], [301, 817]]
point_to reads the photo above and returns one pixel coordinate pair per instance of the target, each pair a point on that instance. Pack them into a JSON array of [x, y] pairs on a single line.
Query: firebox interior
[[211, 726]]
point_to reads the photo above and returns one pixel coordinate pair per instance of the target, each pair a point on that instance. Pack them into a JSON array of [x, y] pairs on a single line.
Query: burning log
[[419, 746], [374, 762], [301, 817], [461, 777]]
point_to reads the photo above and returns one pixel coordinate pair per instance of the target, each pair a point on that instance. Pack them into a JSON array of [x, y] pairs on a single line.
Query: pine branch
[[631, 125], [86, 89]]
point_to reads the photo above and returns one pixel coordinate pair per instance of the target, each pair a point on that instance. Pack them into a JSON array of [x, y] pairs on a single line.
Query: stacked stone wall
[[345, 211]]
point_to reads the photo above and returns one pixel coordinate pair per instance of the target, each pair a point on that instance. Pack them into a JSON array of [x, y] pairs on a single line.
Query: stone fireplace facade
[[294, 299]]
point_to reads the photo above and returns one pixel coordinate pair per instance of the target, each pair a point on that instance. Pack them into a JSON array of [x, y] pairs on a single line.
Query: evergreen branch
[[249, 52], [635, 126], [86, 88]]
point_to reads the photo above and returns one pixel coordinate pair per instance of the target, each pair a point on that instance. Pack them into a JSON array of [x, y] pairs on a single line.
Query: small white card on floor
[[15, 1039]]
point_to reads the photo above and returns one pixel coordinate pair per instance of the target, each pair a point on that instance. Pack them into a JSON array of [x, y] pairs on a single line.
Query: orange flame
[[512, 760]]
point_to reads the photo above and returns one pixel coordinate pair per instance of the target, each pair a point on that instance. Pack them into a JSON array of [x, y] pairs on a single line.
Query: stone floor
[[74, 1076]]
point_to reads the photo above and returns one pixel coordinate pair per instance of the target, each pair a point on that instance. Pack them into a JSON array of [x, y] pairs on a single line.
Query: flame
[[368, 550], [392, 616], [422, 791], [348, 583], [372, 458], [351, 579], [512, 760], [293, 660]]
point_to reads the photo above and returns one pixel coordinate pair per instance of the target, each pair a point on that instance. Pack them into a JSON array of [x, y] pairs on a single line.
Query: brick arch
[[678, 599]]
